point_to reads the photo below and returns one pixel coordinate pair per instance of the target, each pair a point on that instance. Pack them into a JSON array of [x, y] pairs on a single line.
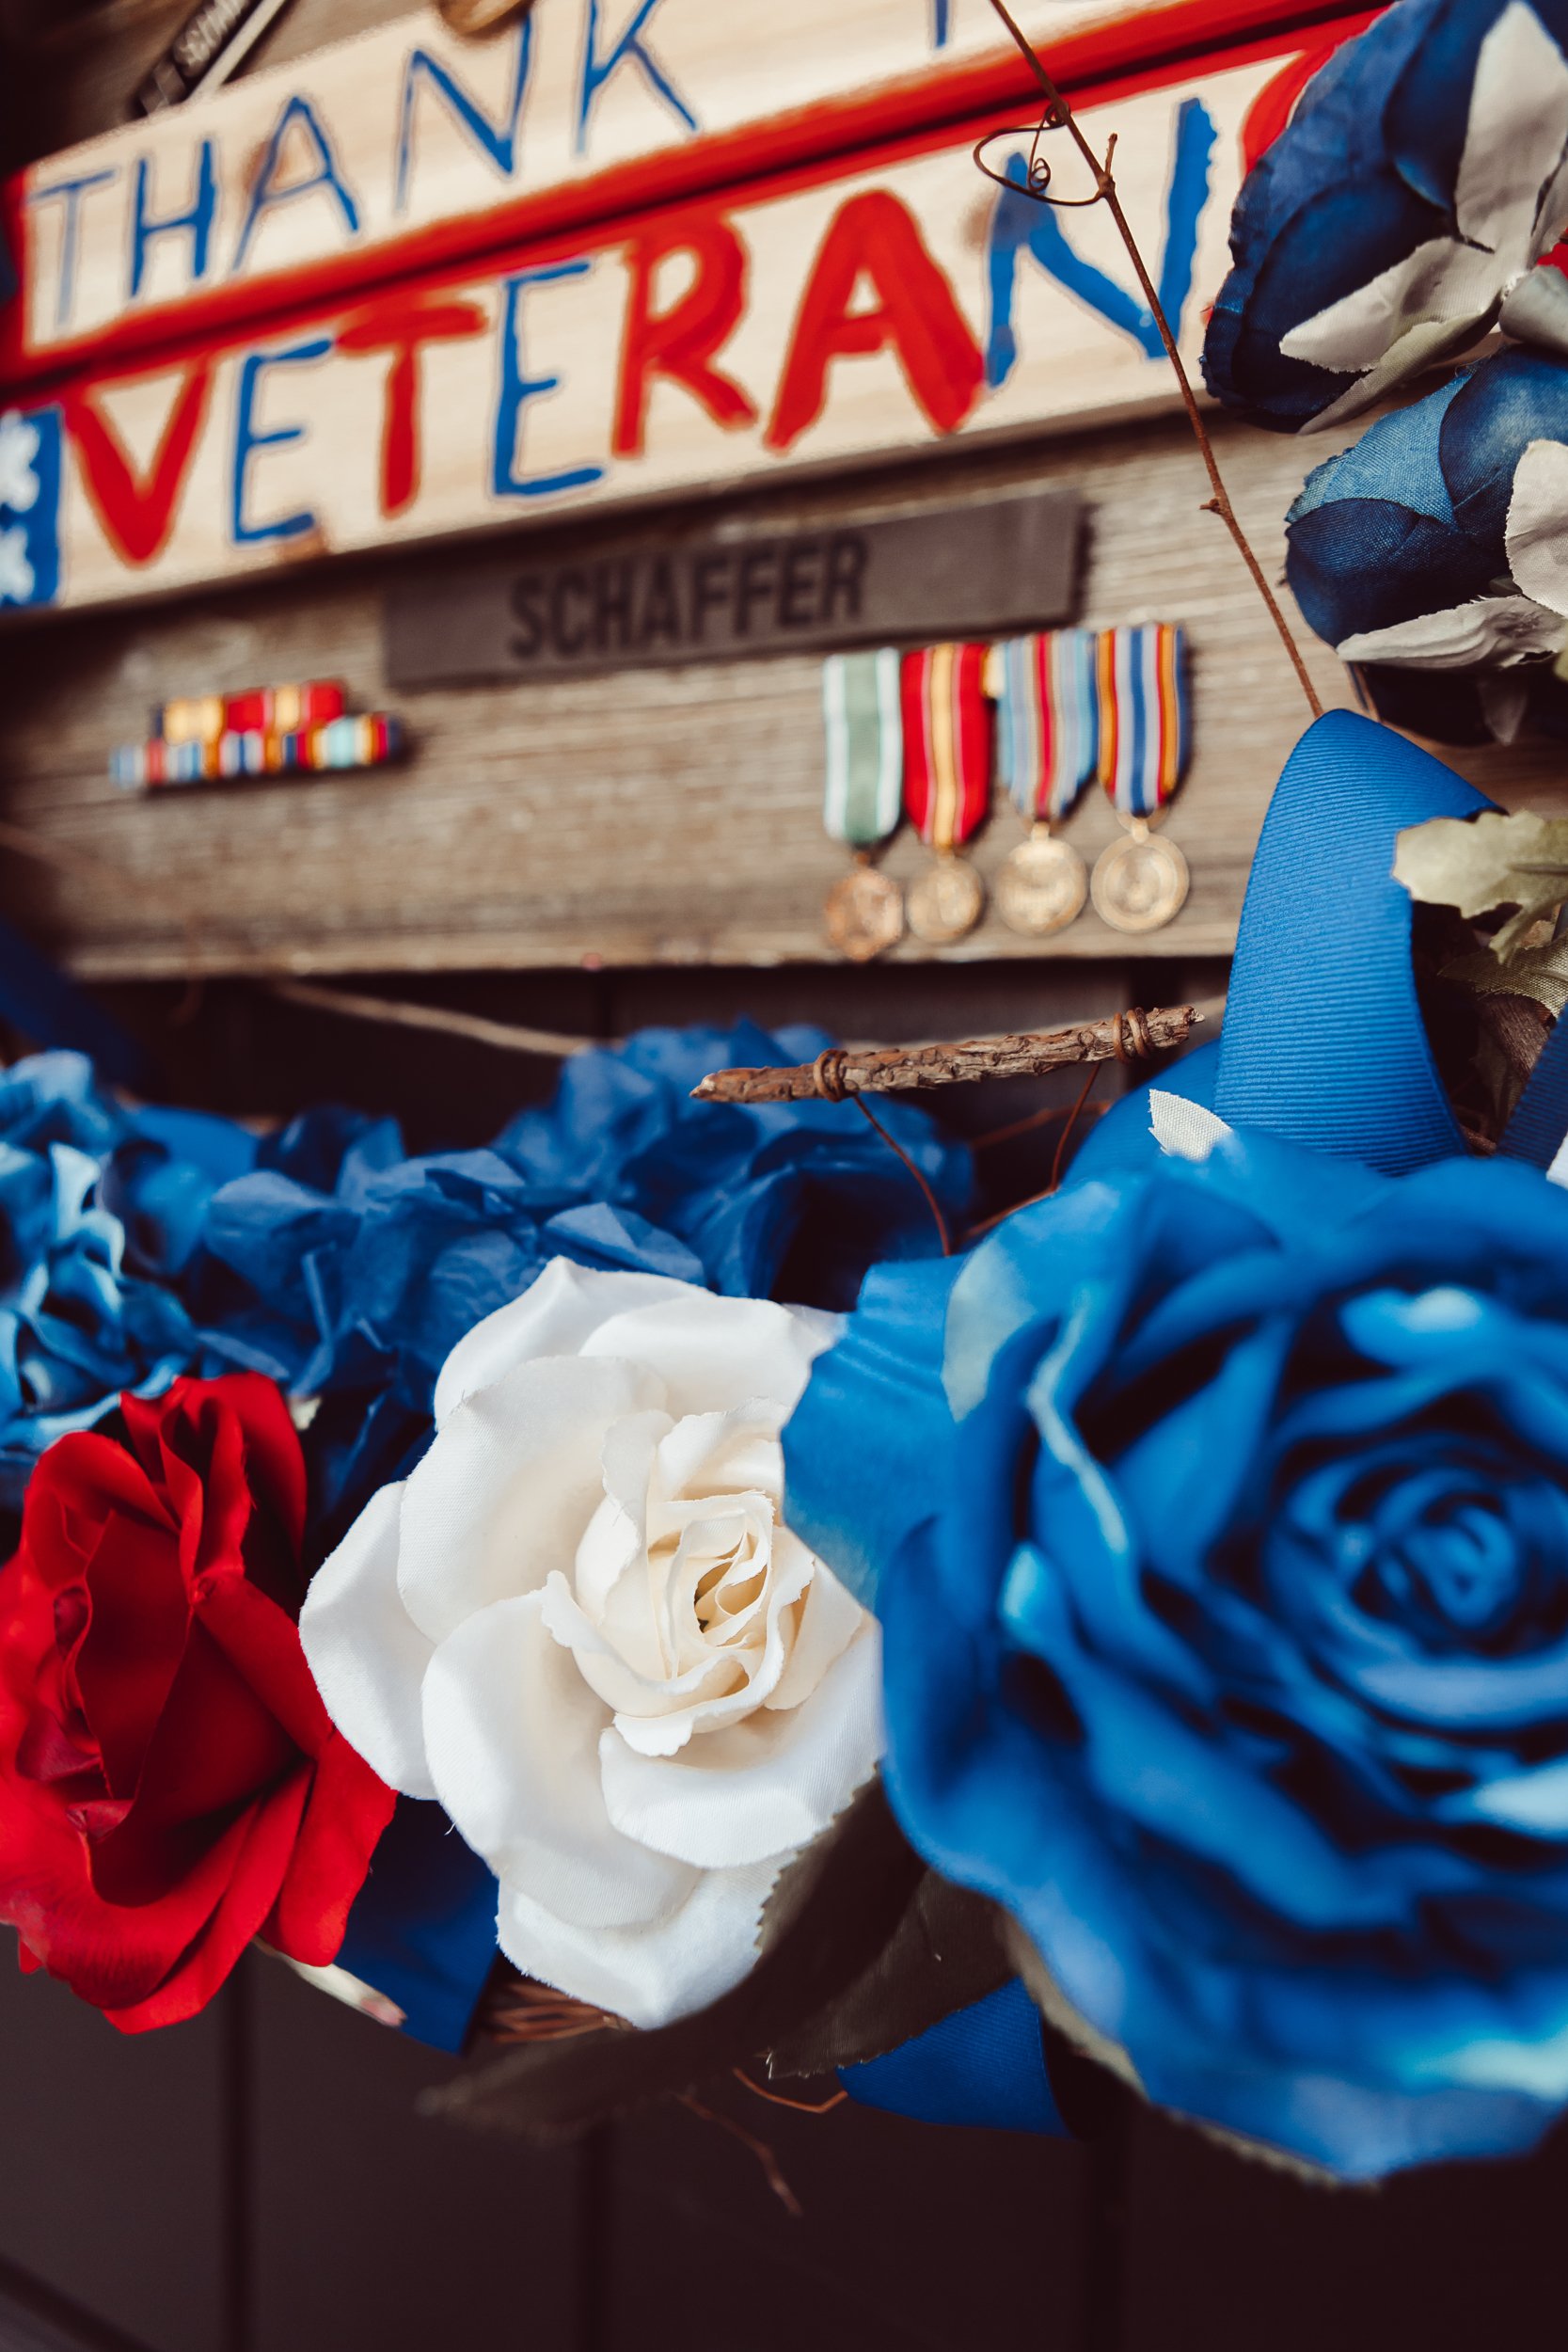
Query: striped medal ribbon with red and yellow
[[947, 743], [1145, 725]]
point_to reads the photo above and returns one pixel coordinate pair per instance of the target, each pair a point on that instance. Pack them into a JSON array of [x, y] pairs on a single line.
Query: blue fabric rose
[[789, 1201], [1433, 554], [1218, 1524], [1401, 213], [93, 1200]]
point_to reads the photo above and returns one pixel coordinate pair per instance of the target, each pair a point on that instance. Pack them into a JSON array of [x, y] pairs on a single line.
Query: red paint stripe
[[926, 110]]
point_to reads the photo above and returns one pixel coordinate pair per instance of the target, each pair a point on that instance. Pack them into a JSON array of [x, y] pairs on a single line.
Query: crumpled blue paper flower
[[1401, 213], [348, 1273], [1218, 1525], [1433, 554], [791, 1200], [87, 1223]]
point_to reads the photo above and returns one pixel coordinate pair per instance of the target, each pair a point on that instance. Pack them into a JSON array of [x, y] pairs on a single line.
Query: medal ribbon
[[947, 743], [1145, 720], [1049, 716], [862, 799]]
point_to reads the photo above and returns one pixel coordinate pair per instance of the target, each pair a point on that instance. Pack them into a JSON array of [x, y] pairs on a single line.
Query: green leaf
[[1540, 973], [1479, 863]]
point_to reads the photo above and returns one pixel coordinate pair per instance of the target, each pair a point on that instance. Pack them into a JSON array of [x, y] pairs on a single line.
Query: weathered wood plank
[[648, 817]]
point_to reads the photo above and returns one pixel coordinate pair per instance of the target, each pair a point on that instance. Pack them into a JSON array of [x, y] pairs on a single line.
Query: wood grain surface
[[652, 818]]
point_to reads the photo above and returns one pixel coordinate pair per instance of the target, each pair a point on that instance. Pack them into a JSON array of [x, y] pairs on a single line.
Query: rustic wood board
[[648, 817], [350, 158], [553, 385]]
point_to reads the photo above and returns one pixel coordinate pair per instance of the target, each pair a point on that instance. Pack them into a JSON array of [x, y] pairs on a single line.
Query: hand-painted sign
[[981, 569], [845, 312], [409, 147]]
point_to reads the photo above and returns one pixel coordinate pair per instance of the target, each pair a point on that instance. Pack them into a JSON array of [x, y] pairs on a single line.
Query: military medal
[[863, 800], [947, 753], [1141, 882], [1047, 705]]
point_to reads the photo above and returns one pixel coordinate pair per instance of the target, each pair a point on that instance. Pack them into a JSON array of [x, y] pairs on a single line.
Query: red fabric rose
[[171, 1783]]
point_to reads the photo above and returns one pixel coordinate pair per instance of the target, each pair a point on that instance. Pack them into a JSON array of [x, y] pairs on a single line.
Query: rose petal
[[505, 1493], [830, 1621], [512, 1732], [711, 1353], [553, 1317], [650, 1974], [765, 1787], [368, 1656]]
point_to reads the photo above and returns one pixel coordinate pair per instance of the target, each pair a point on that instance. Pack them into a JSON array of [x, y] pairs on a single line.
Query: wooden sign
[[980, 570], [409, 147], [853, 311]]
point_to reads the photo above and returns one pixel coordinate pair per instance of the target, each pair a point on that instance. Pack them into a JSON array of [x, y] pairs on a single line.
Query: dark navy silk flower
[[1218, 1526], [791, 1200], [95, 1201], [1433, 554], [1401, 213]]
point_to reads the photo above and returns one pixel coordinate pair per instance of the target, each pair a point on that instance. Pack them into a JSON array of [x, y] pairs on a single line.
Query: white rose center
[[686, 1593]]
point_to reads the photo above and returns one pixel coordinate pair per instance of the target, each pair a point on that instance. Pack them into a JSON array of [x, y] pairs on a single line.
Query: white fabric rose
[[583, 1625]]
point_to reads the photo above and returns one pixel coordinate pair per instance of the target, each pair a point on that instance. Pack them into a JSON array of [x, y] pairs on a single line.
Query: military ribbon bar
[[864, 794], [1144, 730], [1049, 720], [947, 743]]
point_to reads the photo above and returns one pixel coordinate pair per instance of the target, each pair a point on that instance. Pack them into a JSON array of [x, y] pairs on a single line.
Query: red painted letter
[[874, 235], [680, 343], [137, 512], [401, 326]]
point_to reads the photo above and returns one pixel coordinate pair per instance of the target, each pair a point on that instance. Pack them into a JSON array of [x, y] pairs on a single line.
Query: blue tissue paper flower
[[1401, 213], [91, 1195], [1218, 1526], [1433, 554], [347, 1272], [791, 1201]]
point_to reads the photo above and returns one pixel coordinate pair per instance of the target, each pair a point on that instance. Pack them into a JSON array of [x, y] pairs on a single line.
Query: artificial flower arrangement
[[1123, 1655]]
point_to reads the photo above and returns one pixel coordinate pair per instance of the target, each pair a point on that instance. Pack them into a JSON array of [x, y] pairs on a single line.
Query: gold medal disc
[[1140, 883], [946, 901], [1041, 887], [865, 915]]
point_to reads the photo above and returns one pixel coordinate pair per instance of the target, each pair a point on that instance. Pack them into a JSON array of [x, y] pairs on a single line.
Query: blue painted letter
[[263, 194], [248, 440], [596, 71], [198, 220], [518, 389], [73, 191], [1022, 223], [497, 140], [942, 23]]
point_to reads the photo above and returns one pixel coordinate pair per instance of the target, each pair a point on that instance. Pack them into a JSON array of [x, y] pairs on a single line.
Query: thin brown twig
[[777, 2098], [853, 1070], [508, 1037], [987, 1225], [759, 2149], [1220, 503], [896, 1148]]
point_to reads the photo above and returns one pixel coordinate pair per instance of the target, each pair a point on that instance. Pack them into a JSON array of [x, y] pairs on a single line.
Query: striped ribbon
[[947, 743], [864, 795], [366, 740], [1049, 720], [1144, 730]]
